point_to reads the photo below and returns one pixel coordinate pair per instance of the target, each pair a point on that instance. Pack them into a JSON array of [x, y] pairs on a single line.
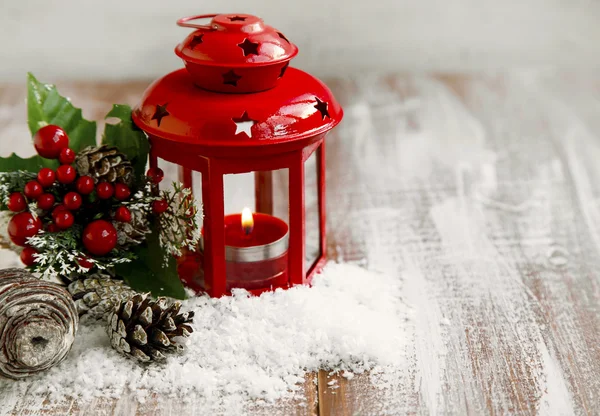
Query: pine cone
[[134, 232], [104, 164], [98, 295], [147, 329]]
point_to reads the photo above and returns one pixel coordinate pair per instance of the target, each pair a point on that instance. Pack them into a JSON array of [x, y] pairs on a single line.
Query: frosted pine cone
[[104, 164], [147, 329], [97, 296], [38, 323], [133, 232]]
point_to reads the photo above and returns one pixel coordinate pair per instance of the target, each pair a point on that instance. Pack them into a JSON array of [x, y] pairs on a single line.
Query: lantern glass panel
[[196, 185], [312, 229], [256, 250]]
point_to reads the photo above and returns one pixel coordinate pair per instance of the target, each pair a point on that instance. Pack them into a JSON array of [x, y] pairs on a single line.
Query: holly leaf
[[15, 163], [46, 106], [149, 273], [128, 138]]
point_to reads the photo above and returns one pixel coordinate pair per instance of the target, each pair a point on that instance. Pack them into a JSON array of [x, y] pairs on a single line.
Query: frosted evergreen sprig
[[59, 254]]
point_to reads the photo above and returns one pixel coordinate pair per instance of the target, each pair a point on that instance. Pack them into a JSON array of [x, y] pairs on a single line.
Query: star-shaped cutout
[[196, 40], [283, 68], [282, 36], [236, 19], [322, 107], [231, 78], [249, 47], [161, 111], [244, 125]]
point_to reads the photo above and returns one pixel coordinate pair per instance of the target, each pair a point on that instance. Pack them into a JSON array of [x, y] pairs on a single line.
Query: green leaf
[[148, 273], [46, 106], [15, 163], [128, 138]]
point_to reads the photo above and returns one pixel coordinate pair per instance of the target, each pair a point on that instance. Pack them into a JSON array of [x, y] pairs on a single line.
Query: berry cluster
[[56, 200]]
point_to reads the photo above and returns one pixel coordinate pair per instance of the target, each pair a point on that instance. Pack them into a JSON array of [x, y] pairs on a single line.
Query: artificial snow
[[247, 348]]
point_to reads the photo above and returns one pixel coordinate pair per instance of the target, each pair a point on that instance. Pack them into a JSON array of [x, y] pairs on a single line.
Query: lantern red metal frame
[[195, 128]]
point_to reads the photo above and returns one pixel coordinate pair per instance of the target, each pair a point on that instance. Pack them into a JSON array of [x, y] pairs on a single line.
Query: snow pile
[[250, 347]]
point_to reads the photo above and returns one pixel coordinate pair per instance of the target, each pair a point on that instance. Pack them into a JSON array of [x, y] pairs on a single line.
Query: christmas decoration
[[105, 163], [66, 174], [38, 322], [33, 189], [98, 294], [85, 185], [238, 107], [46, 177], [105, 190], [67, 156], [17, 202], [146, 329], [100, 237], [23, 226], [156, 175], [77, 208], [122, 192], [49, 141], [122, 214]]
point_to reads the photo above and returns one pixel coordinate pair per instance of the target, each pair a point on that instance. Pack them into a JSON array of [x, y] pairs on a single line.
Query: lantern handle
[[183, 22]]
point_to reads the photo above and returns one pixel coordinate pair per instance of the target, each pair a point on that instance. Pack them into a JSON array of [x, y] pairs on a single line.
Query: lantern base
[[255, 277]]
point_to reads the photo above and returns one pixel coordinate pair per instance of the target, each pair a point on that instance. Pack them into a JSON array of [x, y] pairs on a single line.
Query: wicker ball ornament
[[38, 323]]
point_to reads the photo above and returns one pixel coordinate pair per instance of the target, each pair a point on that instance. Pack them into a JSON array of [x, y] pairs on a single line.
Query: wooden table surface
[[482, 193]]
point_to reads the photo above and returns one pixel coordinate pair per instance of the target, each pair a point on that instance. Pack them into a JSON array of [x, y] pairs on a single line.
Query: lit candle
[[256, 250]]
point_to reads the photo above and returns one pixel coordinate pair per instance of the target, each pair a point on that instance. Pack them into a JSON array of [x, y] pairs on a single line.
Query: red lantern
[[238, 108]]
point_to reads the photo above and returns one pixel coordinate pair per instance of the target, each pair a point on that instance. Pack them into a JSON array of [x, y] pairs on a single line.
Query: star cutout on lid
[[282, 36], [322, 107], [161, 111], [231, 78], [236, 19], [196, 40], [244, 125], [283, 68], [249, 47]]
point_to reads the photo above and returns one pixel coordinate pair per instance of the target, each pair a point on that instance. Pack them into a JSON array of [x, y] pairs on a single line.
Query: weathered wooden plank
[[484, 203]]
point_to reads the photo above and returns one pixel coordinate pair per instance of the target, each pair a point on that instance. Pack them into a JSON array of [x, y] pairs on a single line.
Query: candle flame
[[247, 221]]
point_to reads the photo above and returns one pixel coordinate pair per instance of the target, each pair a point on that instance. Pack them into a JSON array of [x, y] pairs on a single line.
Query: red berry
[[99, 237], [156, 175], [45, 201], [85, 185], [105, 190], [85, 262], [52, 228], [66, 156], [122, 191], [46, 177], [50, 140], [22, 226], [17, 202], [63, 219], [27, 256], [122, 214], [66, 174], [57, 210], [33, 189], [160, 206], [72, 201]]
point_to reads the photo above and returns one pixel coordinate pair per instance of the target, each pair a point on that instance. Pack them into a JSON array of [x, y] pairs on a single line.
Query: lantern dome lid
[[234, 52], [175, 109]]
